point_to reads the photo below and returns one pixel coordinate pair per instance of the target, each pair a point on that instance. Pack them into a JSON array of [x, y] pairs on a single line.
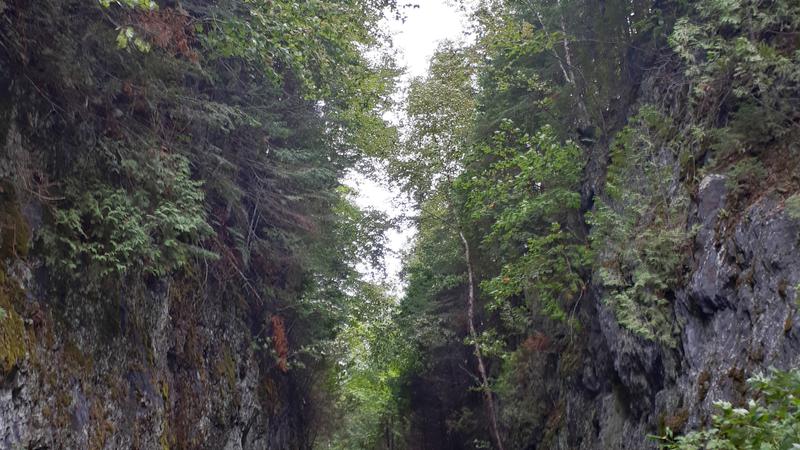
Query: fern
[[639, 230], [110, 231]]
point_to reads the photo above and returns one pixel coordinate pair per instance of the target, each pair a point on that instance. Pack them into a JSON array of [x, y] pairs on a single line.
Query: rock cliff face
[[181, 362], [153, 363], [736, 312], [156, 365]]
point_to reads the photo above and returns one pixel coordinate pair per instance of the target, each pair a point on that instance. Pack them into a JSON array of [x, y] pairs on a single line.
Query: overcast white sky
[[424, 28], [416, 40]]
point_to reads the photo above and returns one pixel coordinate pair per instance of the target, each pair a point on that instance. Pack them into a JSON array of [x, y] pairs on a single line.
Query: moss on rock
[[226, 367], [12, 335]]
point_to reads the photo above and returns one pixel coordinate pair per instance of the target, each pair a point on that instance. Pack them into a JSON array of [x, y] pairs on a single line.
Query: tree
[[199, 145], [441, 113]]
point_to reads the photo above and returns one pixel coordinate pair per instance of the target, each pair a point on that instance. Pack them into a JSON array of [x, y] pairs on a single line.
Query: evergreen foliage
[[170, 139], [154, 228], [740, 58], [199, 140]]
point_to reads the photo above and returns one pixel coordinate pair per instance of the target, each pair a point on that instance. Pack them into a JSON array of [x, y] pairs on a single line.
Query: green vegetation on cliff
[[194, 152], [196, 148], [563, 151]]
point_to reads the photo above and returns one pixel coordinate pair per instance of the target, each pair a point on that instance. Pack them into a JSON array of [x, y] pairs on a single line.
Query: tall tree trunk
[[484, 379], [565, 64], [583, 111]]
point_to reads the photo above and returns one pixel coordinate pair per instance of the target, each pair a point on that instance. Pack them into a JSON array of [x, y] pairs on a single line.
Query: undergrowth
[[769, 420]]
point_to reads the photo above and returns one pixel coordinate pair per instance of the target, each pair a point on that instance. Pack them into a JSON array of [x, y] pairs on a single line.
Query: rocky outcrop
[[739, 309], [151, 370], [154, 364], [737, 314]]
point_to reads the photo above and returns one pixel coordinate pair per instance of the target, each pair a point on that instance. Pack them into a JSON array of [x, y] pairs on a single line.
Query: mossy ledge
[[12, 336], [14, 240]]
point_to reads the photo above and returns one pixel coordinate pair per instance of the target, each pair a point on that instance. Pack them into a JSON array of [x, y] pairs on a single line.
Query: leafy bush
[[769, 421], [529, 192]]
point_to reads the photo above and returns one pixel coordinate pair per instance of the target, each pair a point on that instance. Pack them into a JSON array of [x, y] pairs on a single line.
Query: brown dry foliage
[[280, 342], [537, 342], [169, 30]]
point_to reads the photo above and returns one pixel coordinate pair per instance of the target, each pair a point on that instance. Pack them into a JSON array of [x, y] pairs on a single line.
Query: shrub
[[769, 420], [529, 192], [740, 57]]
